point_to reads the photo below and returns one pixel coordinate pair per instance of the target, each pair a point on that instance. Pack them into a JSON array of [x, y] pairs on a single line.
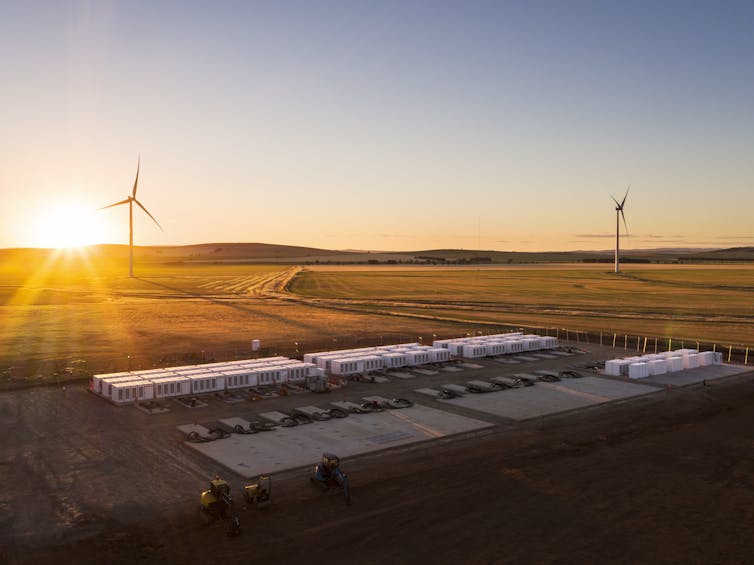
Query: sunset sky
[[388, 125]]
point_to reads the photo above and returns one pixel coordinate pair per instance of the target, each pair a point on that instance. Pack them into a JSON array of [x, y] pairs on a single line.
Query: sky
[[383, 125]]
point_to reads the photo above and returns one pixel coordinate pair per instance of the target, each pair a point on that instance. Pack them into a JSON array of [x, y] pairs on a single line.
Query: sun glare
[[67, 225]]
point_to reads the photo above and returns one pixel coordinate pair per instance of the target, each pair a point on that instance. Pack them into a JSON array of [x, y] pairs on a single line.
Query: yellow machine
[[258, 493], [217, 503]]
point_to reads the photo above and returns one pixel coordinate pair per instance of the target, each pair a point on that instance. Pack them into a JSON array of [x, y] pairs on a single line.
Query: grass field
[[55, 308], [710, 303], [63, 307]]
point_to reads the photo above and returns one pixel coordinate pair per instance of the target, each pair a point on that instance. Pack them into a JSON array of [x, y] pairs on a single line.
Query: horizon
[[380, 251], [379, 125]]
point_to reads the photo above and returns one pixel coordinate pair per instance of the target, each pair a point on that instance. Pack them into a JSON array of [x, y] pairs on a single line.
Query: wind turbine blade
[[148, 214], [136, 181], [614, 200], [116, 204], [624, 198]]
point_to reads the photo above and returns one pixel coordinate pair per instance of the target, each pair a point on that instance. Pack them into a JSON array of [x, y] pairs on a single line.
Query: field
[[704, 303], [66, 306]]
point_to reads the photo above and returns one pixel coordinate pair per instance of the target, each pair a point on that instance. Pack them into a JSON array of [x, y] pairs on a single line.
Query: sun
[[67, 225]]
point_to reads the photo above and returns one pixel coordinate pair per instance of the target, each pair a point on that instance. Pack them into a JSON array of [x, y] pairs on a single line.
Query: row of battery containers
[[494, 345], [367, 359], [123, 388], [641, 367]]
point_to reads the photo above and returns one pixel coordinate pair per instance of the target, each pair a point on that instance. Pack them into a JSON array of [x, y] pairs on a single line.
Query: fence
[[72, 368]]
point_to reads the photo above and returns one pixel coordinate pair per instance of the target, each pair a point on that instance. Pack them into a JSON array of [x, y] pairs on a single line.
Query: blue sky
[[382, 125]]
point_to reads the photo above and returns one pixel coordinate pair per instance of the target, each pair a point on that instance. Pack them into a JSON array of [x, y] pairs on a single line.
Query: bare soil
[[665, 478]]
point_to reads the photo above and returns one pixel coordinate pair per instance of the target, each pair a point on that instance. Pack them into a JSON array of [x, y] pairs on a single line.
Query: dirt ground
[[664, 478]]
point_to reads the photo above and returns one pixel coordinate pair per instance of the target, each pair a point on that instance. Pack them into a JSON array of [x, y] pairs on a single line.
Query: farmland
[[64, 306], [687, 302]]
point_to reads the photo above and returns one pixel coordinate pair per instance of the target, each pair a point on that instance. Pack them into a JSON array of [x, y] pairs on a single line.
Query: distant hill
[[266, 252]]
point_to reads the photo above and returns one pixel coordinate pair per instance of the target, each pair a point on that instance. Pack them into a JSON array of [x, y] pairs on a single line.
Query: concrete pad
[[402, 375], [508, 361], [233, 422], [309, 410], [289, 448], [471, 365], [527, 376], [429, 392], [561, 353], [451, 369], [375, 398], [456, 388], [525, 358], [696, 376], [276, 417], [544, 356], [425, 372], [188, 428], [344, 405], [551, 398], [546, 372], [379, 379]]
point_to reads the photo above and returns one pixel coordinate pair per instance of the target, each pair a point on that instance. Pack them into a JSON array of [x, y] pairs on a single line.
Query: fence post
[[600, 338], [655, 345], [644, 349], [746, 357], [730, 351], [714, 347], [625, 341], [670, 344], [614, 338]]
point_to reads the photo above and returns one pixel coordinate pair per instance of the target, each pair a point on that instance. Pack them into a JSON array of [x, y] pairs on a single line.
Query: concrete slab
[[425, 372], [288, 448], [451, 369], [379, 379], [429, 392], [695, 376], [471, 365], [376, 398], [551, 398], [544, 356], [507, 361], [456, 388], [276, 417], [345, 405], [188, 428], [402, 375], [562, 353], [233, 422], [525, 358]]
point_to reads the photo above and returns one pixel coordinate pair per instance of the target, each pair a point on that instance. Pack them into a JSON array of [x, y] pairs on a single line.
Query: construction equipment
[[217, 504], [259, 493], [327, 474]]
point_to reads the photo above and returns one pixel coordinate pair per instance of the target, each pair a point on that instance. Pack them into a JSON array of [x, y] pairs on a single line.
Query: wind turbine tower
[[130, 201], [618, 215]]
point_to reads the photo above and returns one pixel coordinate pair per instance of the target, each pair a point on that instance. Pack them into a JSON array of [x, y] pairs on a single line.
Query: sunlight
[[67, 225]]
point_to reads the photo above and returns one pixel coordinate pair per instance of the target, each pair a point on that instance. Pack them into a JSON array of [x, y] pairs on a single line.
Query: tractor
[[217, 504], [327, 473]]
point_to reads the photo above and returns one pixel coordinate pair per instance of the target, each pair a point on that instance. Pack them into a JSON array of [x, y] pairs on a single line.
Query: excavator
[[217, 504]]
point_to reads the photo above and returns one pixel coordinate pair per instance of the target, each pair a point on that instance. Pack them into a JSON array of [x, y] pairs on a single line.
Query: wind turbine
[[130, 201], [618, 214]]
